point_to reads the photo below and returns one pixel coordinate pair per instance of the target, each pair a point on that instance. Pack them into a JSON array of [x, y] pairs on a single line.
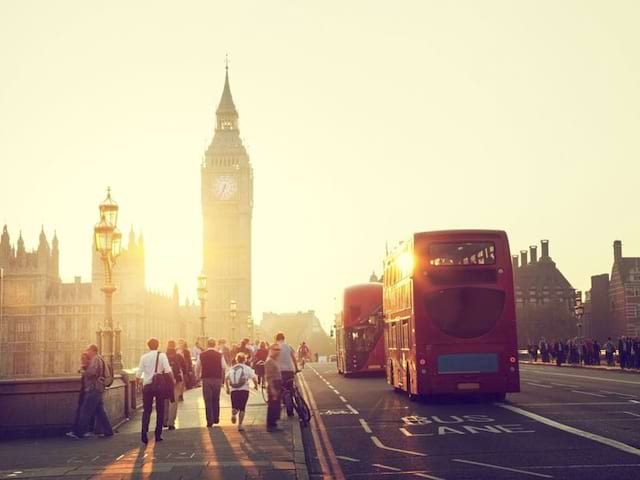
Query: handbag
[[162, 383]]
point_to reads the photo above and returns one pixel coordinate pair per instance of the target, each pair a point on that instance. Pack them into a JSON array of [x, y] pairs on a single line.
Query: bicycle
[[292, 397]]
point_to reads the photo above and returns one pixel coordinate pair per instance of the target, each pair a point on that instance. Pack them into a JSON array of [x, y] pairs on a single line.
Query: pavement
[[588, 367], [566, 423], [192, 451]]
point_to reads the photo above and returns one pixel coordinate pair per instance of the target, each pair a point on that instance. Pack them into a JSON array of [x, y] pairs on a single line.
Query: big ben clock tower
[[227, 205]]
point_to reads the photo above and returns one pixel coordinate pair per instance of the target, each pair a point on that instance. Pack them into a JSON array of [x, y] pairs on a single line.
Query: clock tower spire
[[227, 208]]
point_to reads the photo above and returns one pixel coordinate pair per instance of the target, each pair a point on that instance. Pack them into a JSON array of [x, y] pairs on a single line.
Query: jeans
[[273, 406], [148, 394], [92, 404], [211, 394], [171, 408]]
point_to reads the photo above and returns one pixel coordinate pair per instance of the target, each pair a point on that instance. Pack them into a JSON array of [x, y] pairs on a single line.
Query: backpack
[[237, 382], [106, 375]]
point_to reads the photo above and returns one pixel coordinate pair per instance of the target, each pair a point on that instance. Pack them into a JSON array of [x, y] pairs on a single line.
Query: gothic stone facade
[[544, 298], [46, 323]]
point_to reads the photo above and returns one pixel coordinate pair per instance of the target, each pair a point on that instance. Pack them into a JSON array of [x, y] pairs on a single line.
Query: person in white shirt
[[152, 363], [237, 382]]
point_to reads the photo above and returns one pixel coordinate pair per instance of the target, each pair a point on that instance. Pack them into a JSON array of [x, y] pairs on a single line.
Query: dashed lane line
[[376, 441], [564, 385], [425, 475], [575, 431], [632, 414], [573, 404], [618, 393], [352, 410], [500, 467], [386, 467], [365, 425], [588, 393], [539, 385], [348, 459], [342, 399]]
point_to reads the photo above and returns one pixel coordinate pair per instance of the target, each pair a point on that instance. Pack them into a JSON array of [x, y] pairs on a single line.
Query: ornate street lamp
[[578, 310], [108, 240], [233, 313], [202, 296]]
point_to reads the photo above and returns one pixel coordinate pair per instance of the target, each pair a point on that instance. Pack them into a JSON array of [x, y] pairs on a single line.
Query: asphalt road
[[566, 423]]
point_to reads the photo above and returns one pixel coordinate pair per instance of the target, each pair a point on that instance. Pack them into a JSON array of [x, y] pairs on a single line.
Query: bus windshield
[[462, 253]]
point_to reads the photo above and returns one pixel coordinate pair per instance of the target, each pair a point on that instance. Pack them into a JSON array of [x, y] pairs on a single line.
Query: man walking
[[151, 363], [92, 403], [273, 377], [288, 368], [210, 367]]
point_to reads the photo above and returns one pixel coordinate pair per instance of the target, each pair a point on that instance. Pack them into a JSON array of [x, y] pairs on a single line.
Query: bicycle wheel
[[264, 391], [302, 409]]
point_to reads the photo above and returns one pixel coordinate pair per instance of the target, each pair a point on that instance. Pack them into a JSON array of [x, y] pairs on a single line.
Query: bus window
[[363, 338], [462, 253], [465, 312]]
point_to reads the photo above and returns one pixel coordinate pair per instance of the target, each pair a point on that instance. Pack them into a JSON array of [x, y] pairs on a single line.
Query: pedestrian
[[210, 367], [84, 363], [596, 352], [245, 348], [273, 376], [288, 368], [609, 351], [259, 360], [179, 370], [237, 383], [196, 350], [224, 349], [152, 363], [97, 376], [190, 378]]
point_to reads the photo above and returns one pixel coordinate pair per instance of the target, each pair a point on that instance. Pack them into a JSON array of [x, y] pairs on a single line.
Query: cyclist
[[288, 368], [303, 353]]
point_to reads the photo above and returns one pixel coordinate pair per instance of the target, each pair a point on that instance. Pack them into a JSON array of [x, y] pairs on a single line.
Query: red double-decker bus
[[450, 323], [359, 330]]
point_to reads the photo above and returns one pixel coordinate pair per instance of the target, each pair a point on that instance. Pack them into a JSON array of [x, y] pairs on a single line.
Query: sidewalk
[[192, 451], [588, 367]]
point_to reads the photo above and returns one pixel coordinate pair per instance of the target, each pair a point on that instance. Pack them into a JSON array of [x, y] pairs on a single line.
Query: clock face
[[225, 187]]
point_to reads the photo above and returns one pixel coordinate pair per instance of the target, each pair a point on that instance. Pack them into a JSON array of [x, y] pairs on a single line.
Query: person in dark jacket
[[211, 367], [179, 370]]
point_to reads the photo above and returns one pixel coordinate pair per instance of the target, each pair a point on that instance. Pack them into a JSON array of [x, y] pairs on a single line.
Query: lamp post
[[108, 240], [578, 310], [233, 313], [202, 296], [250, 327]]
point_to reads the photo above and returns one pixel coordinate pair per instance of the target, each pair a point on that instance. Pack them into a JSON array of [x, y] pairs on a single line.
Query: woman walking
[[237, 383]]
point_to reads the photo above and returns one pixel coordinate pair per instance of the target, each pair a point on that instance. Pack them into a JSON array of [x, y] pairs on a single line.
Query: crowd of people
[[625, 352], [165, 376]]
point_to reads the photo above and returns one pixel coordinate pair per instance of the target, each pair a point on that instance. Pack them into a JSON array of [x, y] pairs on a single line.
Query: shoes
[[73, 435], [275, 429], [171, 427], [240, 428], [144, 439], [105, 435], [233, 416], [158, 439], [209, 425], [216, 422]]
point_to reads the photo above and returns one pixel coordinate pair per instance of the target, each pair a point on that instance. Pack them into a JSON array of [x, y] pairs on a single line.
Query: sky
[[365, 121]]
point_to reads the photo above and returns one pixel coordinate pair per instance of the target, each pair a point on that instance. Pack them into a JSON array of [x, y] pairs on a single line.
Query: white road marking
[[634, 401], [498, 467], [632, 414], [376, 441], [539, 385], [352, 410], [618, 393], [608, 465], [588, 393], [365, 425], [564, 385], [575, 431], [386, 467], [424, 475], [348, 459], [342, 399], [121, 456], [335, 391], [585, 376]]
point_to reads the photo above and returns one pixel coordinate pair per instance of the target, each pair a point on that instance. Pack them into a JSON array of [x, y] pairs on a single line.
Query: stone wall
[[47, 406]]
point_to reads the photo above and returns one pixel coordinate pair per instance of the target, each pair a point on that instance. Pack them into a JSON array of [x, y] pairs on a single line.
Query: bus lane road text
[[442, 425]]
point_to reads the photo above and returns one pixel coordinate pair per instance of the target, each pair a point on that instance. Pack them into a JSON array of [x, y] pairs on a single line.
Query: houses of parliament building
[[45, 323]]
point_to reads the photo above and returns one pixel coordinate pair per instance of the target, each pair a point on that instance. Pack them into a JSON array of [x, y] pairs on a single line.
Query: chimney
[[617, 250], [533, 251], [514, 262], [523, 258], [545, 249]]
